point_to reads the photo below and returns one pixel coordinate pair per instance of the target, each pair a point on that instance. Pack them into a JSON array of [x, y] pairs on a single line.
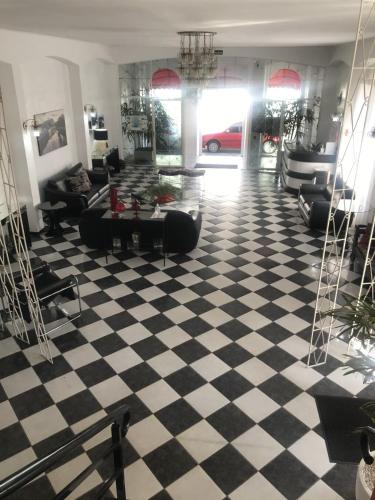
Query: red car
[[231, 138]]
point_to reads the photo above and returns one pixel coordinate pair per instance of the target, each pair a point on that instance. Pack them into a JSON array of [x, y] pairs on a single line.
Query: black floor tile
[[289, 475], [284, 427], [178, 416], [230, 422], [169, 462], [228, 469]]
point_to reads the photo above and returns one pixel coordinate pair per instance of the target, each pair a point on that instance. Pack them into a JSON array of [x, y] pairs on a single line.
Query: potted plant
[[357, 318], [163, 192]]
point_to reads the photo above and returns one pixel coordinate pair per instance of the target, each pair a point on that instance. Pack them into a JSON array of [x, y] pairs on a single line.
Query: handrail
[[118, 417]]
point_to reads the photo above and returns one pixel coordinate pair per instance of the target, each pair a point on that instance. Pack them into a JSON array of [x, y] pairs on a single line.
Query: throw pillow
[[79, 183], [86, 179]]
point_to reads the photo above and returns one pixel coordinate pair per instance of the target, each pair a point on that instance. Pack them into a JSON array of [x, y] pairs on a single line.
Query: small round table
[[51, 211]]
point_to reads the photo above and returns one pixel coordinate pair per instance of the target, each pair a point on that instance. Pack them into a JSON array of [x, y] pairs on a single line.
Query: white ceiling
[[154, 23]]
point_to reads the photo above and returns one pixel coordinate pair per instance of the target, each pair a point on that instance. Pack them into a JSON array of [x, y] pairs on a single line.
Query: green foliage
[[162, 189], [358, 318], [142, 105], [163, 125], [298, 115]]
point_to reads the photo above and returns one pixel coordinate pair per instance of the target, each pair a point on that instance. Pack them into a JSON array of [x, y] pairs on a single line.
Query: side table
[[52, 212]]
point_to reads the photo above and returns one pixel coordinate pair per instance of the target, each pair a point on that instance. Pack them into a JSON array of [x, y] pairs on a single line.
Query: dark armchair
[[314, 201], [182, 230], [48, 287]]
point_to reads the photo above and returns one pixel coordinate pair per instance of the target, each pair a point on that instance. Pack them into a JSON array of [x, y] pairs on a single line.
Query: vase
[[362, 489]]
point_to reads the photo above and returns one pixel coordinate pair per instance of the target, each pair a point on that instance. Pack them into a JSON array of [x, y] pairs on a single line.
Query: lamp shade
[[101, 134], [285, 78], [165, 79]]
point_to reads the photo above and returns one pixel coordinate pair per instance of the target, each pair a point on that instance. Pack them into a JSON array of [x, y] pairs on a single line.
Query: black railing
[[119, 418]]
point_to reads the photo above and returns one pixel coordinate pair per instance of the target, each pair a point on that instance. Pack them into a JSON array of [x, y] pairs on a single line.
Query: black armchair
[[48, 287], [95, 232], [182, 230], [314, 202]]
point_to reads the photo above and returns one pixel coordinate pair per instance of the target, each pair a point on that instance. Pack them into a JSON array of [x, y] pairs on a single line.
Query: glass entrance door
[[166, 105]]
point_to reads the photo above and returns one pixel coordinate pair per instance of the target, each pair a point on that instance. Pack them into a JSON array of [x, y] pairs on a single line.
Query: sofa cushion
[[60, 184], [79, 183]]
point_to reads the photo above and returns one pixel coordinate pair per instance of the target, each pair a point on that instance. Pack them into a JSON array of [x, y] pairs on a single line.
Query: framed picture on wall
[[52, 131]]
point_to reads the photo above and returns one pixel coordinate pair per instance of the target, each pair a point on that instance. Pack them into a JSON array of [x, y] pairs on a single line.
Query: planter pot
[[143, 155], [362, 488]]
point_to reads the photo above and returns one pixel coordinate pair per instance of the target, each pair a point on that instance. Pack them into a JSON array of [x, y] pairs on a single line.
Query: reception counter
[[305, 167]]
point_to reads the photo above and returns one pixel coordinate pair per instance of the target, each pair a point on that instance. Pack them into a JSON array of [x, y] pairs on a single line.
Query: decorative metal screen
[[14, 255], [355, 126]]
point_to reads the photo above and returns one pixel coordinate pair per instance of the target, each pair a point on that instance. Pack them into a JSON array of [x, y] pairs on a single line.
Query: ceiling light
[[197, 58]]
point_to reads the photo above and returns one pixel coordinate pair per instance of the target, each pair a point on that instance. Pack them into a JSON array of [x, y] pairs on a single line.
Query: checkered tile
[[207, 350]]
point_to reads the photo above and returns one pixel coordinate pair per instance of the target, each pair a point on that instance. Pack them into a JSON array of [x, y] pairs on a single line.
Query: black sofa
[[314, 202], [56, 190], [182, 230]]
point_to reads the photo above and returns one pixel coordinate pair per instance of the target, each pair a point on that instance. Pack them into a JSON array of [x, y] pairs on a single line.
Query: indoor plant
[[357, 318], [163, 192]]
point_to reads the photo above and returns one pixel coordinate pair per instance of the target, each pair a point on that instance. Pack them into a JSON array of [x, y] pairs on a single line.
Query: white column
[[189, 128], [20, 143]]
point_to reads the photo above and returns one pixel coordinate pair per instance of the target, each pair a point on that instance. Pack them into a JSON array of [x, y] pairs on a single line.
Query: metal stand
[[16, 235], [357, 121]]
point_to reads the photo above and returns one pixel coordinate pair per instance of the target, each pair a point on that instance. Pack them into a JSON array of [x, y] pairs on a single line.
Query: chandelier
[[197, 58]]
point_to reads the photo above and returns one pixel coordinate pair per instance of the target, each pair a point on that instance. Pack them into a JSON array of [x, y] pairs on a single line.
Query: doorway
[[166, 104], [222, 117]]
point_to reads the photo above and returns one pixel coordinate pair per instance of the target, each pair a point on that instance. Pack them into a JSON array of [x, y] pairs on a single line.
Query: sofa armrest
[[312, 188], [59, 195], [319, 211], [97, 177], [76, 202]]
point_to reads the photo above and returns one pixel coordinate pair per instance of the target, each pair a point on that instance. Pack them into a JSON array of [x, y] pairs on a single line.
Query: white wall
[[49, 90], [43, 73], [335, 84], [100, 87]]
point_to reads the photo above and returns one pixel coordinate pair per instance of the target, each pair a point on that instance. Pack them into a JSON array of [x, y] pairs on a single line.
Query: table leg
[[54, 228]]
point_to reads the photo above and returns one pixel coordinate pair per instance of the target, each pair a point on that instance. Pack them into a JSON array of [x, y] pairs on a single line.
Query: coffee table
[[137, 231]]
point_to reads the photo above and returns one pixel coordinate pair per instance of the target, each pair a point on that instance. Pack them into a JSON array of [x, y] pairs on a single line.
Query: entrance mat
[[208, 165]]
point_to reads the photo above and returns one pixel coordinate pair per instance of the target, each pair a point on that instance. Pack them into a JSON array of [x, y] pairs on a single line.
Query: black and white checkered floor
[[207, 351]]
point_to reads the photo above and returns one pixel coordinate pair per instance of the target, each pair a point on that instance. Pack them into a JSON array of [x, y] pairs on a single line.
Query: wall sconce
[[31, 124], [90, 109]]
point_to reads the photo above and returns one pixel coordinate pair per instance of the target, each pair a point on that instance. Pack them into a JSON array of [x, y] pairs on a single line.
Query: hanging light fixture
[[197, 57]]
